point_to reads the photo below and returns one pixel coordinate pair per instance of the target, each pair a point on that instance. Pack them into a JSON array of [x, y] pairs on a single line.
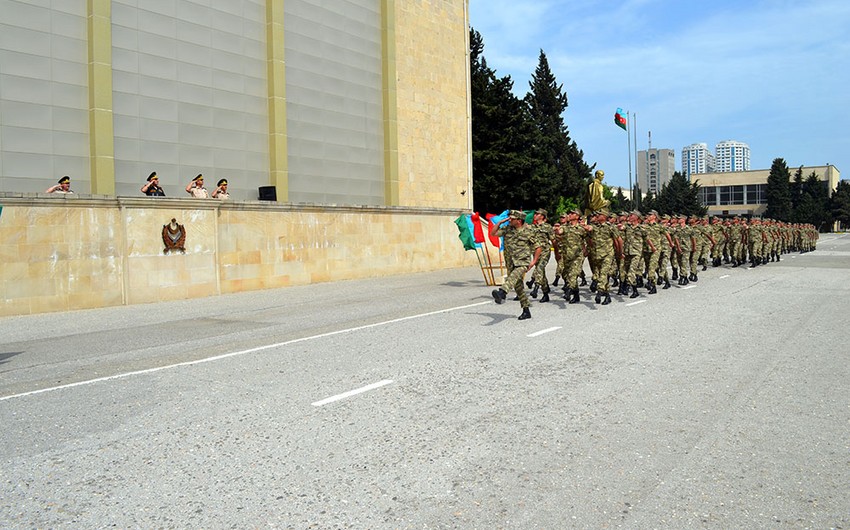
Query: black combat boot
[[555, 283], [607, 299], [726, 260], [593, 285], [598, 297], [500, 295], [583, 281], [651, 288], [615, 282], [675, 274], [529, 283], [635, 293], [666, 283], [704, 266], [694, 277], [544, 298], [735, 264], [574, 299], [639, 282], [534, 291], [526, 314]]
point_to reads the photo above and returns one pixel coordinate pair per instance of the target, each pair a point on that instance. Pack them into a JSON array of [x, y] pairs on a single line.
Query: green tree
[[678, 196], [814, 203], [778, 191], [502, 137], [796, 193], [619, 202], [560, 170], [840, 204]]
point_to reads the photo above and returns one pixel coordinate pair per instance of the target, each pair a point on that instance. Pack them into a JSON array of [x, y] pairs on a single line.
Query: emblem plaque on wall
[[174, 237]]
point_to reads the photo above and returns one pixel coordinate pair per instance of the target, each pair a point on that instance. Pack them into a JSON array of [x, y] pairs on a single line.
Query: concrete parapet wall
[[61, 253]]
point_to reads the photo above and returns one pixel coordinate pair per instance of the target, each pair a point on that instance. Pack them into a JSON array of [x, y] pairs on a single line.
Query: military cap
[[152, 176], [517, 214], [652, 212], [65, 180], [636, 213], [199, 177], [222, 182], [542, 212]]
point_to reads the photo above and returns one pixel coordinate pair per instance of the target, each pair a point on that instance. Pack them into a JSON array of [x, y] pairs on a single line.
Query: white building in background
[[655, 167], [696, 158], [731, 156]]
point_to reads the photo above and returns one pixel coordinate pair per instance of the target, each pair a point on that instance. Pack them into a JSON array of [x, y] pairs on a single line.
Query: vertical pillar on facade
[[390, 102], [275, 53], [101, 135]]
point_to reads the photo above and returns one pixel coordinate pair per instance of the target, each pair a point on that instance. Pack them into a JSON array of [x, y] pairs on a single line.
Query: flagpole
[[629, 139], [637, 184]]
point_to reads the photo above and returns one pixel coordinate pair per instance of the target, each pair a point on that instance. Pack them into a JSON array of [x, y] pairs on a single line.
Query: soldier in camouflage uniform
[[545, 235], [756, 238], [601, 249], [634, 243], [665, 251], [733, 242], [571, 239], [521, 244], [618, 223], [719, 234], [652, 254], [684, 245]]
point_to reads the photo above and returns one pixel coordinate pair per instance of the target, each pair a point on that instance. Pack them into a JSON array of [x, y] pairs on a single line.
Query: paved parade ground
[[417, 402]]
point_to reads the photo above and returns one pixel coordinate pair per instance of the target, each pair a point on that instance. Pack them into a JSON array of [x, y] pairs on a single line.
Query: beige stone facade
[[137, 88], [431, 54], [64, 253]]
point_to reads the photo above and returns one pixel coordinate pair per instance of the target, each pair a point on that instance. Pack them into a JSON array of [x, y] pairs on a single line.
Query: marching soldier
[[602, 247], [545, 235], [521, 244], [571, 241]]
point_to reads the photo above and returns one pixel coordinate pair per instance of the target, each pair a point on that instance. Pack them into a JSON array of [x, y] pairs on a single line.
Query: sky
[[774, 74]]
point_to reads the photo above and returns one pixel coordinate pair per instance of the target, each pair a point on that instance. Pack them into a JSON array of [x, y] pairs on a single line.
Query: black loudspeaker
[[268, 193]]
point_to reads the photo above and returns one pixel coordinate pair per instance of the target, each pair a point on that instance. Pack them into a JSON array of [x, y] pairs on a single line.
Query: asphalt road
[[417, 402]]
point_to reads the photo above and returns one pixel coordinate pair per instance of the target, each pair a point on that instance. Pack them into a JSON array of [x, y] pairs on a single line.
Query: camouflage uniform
[[520, 246], [655, 235], [665, 251], [633, 244], [571, 240], [601, 254], [756, 237], [545, 234], [684, 238]]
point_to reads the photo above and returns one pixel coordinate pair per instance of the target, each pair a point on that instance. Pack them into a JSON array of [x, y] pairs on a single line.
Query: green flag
[[465, 235]]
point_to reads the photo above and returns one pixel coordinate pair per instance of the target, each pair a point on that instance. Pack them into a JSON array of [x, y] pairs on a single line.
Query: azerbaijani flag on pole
[[465, 232], [620, 119]]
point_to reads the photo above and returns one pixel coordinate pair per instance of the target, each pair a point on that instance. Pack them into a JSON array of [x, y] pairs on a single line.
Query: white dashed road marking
[[543, 331], [350, 393]]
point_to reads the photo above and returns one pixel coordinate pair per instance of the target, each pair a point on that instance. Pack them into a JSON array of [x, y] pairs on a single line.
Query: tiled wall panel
[[43, 95], [185, 79]]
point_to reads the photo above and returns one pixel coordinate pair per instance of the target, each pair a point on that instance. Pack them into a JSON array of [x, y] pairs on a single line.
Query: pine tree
[[796, 192], [814, 203], [778, 191], [840, 204], [560, 168], [502, 137], [678, 196]]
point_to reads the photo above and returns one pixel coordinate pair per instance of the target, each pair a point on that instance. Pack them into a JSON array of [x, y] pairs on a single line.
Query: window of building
[[708, 195], [725, 195], [737, 194]]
